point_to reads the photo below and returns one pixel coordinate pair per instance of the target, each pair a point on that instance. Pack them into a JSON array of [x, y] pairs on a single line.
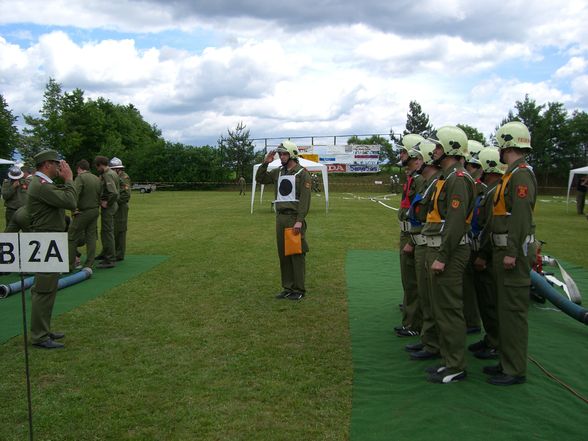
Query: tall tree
[[8, 131], [417, 121], [237, 150], [578, 137]]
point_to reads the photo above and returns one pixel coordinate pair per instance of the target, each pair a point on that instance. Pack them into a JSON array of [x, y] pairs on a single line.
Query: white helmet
[[452, 139], [116, 163], [426, 148], [474, 149], [489, 158], [15, 172]]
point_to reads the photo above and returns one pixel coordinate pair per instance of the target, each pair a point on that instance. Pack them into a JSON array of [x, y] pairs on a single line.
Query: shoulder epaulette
[[459, 173]]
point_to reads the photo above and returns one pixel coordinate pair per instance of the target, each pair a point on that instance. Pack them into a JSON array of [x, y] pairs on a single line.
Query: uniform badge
[[455, 203], [522, 191]]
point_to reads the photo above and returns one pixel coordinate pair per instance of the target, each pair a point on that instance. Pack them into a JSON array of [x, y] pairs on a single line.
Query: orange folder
[[292, 242]]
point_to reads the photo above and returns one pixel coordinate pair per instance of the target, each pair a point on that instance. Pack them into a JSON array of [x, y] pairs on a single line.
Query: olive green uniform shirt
[[47, 203], [125, 188], [110, 186], [14, 197], [89, 189]]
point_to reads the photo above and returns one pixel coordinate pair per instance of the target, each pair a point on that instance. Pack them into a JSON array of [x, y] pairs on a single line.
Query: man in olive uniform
[[293, 194], [483, 276], [121, 218], [429, 346], [470, 303], [448, 251], [13, 192], [411, 312], [513, 238], [46, 204], [83, 228], [242, 185], [109, 205]]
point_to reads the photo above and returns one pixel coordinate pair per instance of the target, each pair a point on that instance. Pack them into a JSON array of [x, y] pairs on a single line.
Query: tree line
[[82, 128]]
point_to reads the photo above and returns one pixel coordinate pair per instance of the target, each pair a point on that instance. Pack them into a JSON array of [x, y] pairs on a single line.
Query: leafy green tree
[[473, 133], [578, 137], [417, 121], [237, 150], [8, 131]]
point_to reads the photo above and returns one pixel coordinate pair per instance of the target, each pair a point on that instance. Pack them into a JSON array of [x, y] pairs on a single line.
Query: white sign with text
[[34, 252]]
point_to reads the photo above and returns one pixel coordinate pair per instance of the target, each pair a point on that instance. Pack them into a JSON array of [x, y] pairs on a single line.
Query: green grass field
[[198, 348]]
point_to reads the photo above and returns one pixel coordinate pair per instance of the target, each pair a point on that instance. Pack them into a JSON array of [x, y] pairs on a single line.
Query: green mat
[[393, 401], [68, 298]]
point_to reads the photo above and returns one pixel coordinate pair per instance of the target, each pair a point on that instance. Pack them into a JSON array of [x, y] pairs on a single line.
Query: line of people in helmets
[[467, 246]]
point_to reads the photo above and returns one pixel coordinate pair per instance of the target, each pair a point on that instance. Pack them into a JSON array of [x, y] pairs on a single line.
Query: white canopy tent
[[5, 161], [308, 165], [574, 172]]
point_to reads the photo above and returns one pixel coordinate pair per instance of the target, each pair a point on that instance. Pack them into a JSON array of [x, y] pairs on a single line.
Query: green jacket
[[14, 198], [484, 220], [124, 195], [110, 186], [455, 203], [303, 188], [415, 185], [520, 196], [89, 188], [47, 203]]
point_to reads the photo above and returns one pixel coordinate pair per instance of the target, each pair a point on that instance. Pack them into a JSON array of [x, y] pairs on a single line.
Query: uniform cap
[[15, 172], [116, 163], [46, 155]]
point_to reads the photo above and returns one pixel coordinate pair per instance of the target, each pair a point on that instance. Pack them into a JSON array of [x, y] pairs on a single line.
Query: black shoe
[[477, 346], [283, 294], [100, 257], [424, 355], [473, 330], [435, 369], [398, 328], [407, 332], [492, 370], [105, 264], [56, 335], [448, 375], [507, 380], [487, 354], [295, 295], [48, 344], [415, 347], [119, 259]]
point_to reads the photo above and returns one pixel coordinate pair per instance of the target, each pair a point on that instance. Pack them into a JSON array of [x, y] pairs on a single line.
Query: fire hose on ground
[[64, 282]]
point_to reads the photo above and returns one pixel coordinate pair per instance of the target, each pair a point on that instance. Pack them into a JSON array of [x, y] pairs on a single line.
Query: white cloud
[[574, 66]]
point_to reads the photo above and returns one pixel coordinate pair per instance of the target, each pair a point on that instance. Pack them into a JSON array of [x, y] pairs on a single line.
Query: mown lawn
[[198, 348]]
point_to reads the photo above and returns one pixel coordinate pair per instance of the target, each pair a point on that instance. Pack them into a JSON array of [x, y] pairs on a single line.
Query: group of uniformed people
[[36, 203], [467, 246]]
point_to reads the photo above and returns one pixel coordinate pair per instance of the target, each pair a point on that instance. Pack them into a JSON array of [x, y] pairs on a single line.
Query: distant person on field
[[242, 186], [581, 193]]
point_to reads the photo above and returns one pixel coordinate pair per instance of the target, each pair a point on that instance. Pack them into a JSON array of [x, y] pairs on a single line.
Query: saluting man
[[293, 193], [109, 205], [513, 237], [121, 218], [46, 204], [448, 251]]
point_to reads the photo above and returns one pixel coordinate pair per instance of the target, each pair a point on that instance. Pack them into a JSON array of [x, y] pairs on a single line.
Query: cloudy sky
[[297, 68]]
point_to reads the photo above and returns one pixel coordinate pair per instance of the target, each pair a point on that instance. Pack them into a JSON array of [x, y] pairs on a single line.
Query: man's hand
[[269, 157], [479, 264], [408, 249], [65, 171], [437, 267], [297, 227], [16, 184], [509, 262], [104, 204]]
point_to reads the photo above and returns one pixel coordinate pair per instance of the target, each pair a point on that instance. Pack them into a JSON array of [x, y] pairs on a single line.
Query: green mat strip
[[393, 401], [68, 298]]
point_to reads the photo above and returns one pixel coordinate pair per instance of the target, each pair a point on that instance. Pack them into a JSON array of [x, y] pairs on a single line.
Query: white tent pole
[[253, 184], [326, 187]]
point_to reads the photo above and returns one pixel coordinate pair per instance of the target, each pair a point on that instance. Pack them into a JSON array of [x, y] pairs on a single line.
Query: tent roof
[[580, 170], [5, 161]]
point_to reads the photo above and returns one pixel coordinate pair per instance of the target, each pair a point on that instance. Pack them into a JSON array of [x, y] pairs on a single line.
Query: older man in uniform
[[412, 161], [109, 205], [513, 237], [46, 204], [293, 193], [121, 218], [448, 251], [13, 192], [83, 228]]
